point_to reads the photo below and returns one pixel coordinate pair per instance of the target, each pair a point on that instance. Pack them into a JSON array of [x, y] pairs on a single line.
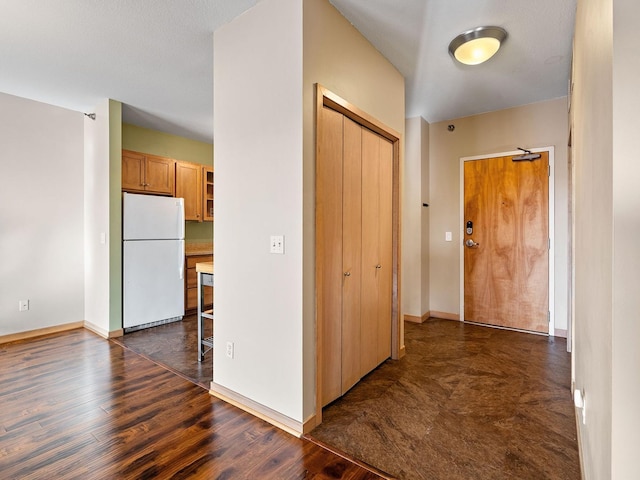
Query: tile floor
[[466, 402]]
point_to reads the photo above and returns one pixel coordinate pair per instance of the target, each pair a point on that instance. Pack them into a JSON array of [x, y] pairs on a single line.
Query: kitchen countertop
[[198, 249], [204, 267]]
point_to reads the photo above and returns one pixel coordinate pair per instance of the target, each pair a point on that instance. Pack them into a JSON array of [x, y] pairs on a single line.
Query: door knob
[[471, 244], [347, 274], [378, 266]]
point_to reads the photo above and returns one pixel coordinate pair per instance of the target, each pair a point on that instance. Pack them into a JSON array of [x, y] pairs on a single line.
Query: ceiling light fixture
[[478, 45]]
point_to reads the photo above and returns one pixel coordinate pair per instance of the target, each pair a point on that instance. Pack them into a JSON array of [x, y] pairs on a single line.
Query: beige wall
[[592, 156], [266, 64], [425, 290], [339, 58], [607, 225], [530, 126], [415, 219]]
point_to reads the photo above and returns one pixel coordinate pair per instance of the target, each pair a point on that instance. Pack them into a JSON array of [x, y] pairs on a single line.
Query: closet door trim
[[326, 98]]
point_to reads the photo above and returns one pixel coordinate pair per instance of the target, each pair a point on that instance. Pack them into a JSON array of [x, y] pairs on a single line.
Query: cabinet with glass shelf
[[207, 189]]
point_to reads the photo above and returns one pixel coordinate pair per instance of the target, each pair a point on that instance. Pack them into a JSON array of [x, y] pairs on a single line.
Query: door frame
[[551, 209], [325, 97]]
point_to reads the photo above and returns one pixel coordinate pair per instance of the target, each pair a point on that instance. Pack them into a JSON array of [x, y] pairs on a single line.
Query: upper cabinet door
[[144, 173], [189, 187], [207, 194], [160, 175], [133, 166]]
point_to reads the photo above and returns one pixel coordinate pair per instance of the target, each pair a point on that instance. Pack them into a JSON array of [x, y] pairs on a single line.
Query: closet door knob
[[378, 266], [347, 274]]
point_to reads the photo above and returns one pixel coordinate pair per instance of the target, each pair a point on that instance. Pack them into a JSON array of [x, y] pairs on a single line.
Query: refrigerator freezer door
[[149, 217], [153, 279]]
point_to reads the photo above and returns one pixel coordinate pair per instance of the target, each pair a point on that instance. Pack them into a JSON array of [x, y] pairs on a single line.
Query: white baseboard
[[102, 332], [558, 332], [257, 410]]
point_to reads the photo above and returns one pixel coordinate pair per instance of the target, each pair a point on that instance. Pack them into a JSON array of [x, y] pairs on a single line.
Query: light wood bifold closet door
[[354, 222]]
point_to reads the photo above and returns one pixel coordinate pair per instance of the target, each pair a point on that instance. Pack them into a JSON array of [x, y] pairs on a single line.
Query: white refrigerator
[[153, 260]]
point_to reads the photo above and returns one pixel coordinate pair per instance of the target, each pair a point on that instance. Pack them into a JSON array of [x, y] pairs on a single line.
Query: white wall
[[258, 152], [41, 215], [415, 219], [536, 125], [626, 232], [96, 219]]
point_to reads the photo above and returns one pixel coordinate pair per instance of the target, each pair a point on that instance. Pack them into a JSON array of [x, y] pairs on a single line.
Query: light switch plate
[[448, 236], [277, 244]]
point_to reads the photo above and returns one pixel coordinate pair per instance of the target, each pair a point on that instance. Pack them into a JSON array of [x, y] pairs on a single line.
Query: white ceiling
[[156, 56]]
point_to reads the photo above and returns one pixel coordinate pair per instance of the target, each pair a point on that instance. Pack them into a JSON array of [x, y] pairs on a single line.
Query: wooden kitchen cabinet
[[144, 173], [189, 187], [207, 194], [191, 284]]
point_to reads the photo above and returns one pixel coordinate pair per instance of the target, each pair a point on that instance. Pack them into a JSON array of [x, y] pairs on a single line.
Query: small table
[[204, 270]]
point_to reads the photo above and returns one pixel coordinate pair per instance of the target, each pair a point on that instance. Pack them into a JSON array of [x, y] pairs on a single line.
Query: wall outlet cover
[[277, 244]]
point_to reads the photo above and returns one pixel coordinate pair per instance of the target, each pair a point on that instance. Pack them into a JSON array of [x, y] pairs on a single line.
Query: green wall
[[115, 215], [145, 140]]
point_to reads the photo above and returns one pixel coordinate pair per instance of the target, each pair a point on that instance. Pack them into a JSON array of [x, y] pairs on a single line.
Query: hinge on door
[[549, 170], [548, 244], [548, 316]]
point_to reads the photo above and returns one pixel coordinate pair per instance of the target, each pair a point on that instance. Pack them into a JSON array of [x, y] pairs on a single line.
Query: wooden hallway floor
[[466, 402], [76, 406]]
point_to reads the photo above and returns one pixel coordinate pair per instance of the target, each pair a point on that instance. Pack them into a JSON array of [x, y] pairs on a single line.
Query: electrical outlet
[[23, 305], [581, 404], [277, 244], [230, 349]]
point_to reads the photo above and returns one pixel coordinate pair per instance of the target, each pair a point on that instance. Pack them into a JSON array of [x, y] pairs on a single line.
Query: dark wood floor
[[466, 402], [74, 405]]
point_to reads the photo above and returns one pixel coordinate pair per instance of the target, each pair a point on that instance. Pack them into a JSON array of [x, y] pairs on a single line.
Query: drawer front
[[193, 259], [192, 278]]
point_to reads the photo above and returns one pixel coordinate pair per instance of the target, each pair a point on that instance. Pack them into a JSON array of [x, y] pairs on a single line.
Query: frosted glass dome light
[[478, 45]]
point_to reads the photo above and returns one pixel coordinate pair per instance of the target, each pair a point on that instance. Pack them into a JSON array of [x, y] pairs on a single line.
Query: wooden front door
[[506, 253]]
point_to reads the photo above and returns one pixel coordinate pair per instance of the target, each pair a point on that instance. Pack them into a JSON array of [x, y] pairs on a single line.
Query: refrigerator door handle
[[181, 260]]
